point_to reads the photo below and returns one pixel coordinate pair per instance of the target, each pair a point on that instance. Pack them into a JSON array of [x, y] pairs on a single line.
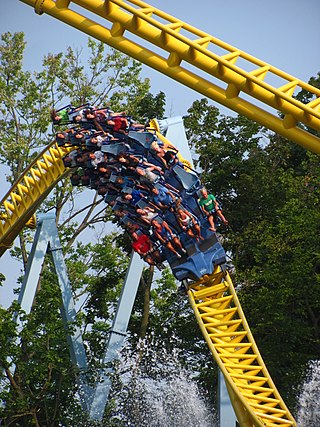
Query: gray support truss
[[173, 129], [227, 416], [117, 335], [47, 241]]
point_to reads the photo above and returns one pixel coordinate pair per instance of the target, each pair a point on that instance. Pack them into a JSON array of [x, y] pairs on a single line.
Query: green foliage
[[36, 362], [103, 78], [24, 104], [151, 106], [270, 195], [285, 272]]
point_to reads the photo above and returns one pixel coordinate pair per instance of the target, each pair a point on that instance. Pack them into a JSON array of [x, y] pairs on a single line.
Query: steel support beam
[[227, 417], [117, 335], [47, 241]]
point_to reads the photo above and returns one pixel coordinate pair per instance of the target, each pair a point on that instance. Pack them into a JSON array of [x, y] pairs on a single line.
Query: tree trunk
[[146, 286]]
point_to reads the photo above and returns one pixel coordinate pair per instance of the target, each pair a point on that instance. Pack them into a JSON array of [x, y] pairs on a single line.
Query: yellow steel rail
[[197, 60], [20, 203], [254, 396]]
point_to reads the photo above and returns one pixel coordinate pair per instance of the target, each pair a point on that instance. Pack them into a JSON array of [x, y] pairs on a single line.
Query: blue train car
[[201, 257], [153, 194]]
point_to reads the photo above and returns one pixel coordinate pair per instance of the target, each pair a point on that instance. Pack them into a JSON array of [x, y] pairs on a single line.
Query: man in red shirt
[[142, 244]]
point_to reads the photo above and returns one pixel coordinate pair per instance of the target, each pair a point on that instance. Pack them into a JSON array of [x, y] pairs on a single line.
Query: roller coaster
[[195, 256]]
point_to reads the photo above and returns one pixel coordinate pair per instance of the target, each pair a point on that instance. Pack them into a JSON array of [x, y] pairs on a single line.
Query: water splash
[[309, 405], [156, 391]]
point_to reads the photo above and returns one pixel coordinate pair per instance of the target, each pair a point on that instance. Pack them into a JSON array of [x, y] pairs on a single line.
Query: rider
[[210, 206], [166, 236], [188, 223]]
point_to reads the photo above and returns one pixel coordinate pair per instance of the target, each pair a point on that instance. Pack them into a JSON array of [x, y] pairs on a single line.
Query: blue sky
[[283, 33]]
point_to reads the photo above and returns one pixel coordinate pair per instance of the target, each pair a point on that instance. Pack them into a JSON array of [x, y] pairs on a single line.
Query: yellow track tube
[[254, 397], [18, 206], [202, 64]]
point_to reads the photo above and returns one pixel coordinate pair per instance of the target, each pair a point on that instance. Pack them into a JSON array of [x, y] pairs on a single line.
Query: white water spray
[[309, 400], [160, 393]]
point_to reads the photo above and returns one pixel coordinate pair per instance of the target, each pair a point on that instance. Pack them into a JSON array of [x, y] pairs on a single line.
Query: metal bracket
[[38, 6]]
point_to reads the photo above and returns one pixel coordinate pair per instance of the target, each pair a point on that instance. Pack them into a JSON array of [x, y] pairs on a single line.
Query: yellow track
[[22, 200], [194, 58], [254, 397]]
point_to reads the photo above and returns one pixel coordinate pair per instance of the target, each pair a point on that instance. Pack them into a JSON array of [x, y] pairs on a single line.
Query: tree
[[24, 105], [284, 272], [269, 192]]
